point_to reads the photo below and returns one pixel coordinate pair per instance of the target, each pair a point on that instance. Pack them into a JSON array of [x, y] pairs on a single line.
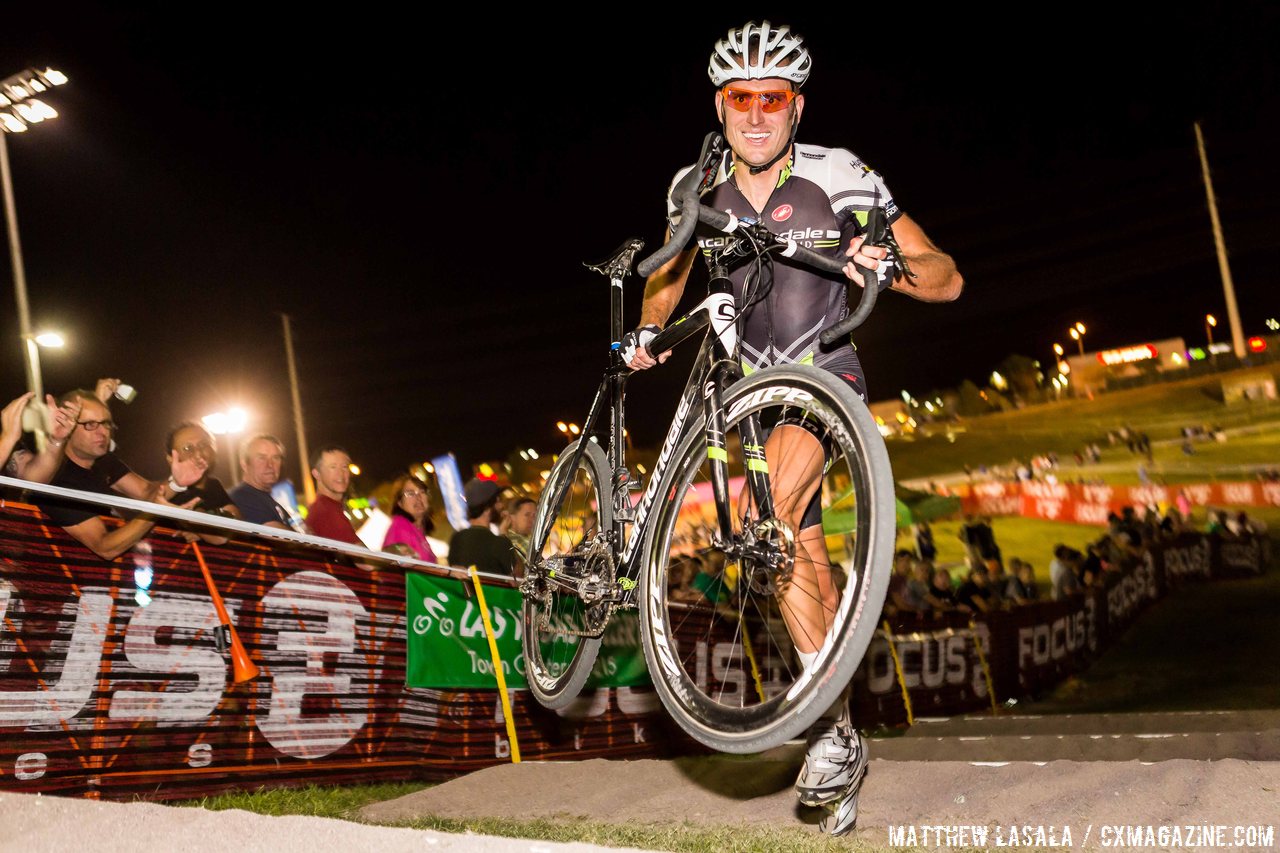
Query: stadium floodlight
[[19, 109]]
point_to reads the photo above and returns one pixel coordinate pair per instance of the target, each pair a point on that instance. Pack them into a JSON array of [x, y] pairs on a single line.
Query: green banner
[[447, 646]]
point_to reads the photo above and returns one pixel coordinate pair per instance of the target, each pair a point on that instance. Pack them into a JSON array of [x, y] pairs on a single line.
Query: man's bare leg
[[836, 756], [796, 461]]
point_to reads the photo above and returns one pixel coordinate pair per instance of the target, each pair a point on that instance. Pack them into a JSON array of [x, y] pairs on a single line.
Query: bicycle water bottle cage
[[878, 233], [618, 263]]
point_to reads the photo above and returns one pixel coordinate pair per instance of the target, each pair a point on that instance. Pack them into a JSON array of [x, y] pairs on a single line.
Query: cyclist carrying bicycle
[[819, 197]]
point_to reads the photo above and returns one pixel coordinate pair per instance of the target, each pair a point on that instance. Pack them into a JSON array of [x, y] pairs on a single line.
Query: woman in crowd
[[410, 521], [192, 454]]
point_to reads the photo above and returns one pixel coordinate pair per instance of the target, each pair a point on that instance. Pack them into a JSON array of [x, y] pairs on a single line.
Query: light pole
[[1077, 335], [1210, 322], [229, 423], [19, 108], [304, 458]]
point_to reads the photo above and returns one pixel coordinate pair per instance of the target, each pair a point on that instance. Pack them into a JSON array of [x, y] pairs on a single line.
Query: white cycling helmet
[[755, 52]]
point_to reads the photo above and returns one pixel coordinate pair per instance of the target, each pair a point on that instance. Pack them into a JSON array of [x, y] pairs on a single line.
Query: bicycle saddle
[[619, 262]]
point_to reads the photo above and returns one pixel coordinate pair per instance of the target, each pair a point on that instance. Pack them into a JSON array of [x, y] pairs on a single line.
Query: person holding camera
[[18, 452]]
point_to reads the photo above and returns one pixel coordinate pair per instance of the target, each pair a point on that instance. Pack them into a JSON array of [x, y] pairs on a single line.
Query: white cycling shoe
[[844, 811], [834, 764]]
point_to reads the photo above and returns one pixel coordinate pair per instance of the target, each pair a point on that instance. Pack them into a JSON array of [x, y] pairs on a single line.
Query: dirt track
[[724, 791], [1072, 770], [1134, 770]]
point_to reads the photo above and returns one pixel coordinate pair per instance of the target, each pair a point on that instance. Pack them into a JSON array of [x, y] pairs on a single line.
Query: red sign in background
[[1092, 504]]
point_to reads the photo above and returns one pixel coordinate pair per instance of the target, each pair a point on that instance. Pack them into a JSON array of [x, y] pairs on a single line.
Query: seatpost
[[617, 389]]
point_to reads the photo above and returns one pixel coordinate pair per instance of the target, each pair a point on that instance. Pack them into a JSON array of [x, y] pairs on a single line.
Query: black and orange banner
[[104, 695]]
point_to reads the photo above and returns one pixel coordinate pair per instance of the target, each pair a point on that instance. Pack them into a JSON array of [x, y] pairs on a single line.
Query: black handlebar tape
[[679, 239], [870, 290], [686, 195]]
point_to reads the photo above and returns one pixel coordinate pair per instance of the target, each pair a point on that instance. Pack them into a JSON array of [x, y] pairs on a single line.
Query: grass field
[[1063, 427], [1029, 539]]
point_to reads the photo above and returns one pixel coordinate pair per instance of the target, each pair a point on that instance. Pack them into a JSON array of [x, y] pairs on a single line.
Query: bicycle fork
[[757, 469], [753, 460]]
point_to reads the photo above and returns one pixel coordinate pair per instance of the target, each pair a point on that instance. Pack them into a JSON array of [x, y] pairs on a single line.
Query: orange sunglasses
[[770, 102]]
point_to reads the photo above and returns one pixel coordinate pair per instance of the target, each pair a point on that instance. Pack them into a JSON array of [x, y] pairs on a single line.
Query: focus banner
[[448, 646]]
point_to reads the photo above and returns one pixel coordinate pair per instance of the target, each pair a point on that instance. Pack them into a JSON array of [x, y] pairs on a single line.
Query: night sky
[[420, 198]]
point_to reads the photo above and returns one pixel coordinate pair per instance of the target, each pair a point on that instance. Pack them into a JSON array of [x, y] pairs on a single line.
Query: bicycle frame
[[712, 368]]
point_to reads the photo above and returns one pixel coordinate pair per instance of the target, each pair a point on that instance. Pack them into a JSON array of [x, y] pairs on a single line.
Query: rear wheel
[[567, 549], [718, 618]]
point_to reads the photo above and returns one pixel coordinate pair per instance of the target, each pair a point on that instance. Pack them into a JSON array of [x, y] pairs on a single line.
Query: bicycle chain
[[545, 625], [598, 551]]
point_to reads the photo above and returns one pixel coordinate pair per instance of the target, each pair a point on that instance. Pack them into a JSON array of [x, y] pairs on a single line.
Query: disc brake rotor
[[769, 556]]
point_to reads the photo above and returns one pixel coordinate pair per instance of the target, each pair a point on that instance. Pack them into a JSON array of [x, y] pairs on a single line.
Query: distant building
[[1088, 374], [893, 417]]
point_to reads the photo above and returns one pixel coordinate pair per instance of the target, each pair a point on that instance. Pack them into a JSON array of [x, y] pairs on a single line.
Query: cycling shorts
[[813, 512]]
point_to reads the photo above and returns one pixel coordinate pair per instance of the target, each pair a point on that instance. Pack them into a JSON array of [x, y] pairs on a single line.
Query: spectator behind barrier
[[917, 593], [331, 468], [519, 522], [1062, 573], [477, 545], [18, 455], [92, 467], [261, 459], [191, 453], [975, 593], [897, 600], [410, 520], [942, 590], [1021, 588]]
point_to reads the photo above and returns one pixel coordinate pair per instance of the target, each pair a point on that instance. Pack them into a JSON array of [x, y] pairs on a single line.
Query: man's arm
[[662, 294], [937, 279], [41, 467], [110, 543], [11, 425], [139, 488]]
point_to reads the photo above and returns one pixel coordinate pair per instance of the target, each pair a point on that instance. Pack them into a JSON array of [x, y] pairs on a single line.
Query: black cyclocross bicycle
[[702, 553]]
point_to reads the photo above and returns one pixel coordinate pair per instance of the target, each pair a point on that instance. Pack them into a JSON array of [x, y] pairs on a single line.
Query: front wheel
[[722, 620], [568, 546]]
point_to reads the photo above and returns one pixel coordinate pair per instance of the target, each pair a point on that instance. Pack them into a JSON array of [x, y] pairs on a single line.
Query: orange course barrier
[[104, 696]]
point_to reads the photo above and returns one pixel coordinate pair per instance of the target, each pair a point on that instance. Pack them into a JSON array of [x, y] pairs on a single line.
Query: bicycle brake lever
[[879, 233], [898, 258]]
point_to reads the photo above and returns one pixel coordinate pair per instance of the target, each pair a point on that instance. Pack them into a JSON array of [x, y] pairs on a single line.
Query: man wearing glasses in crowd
[[90, 466]]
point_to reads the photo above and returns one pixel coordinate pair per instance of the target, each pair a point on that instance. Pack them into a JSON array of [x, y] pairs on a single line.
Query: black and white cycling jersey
[[821, 202]]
